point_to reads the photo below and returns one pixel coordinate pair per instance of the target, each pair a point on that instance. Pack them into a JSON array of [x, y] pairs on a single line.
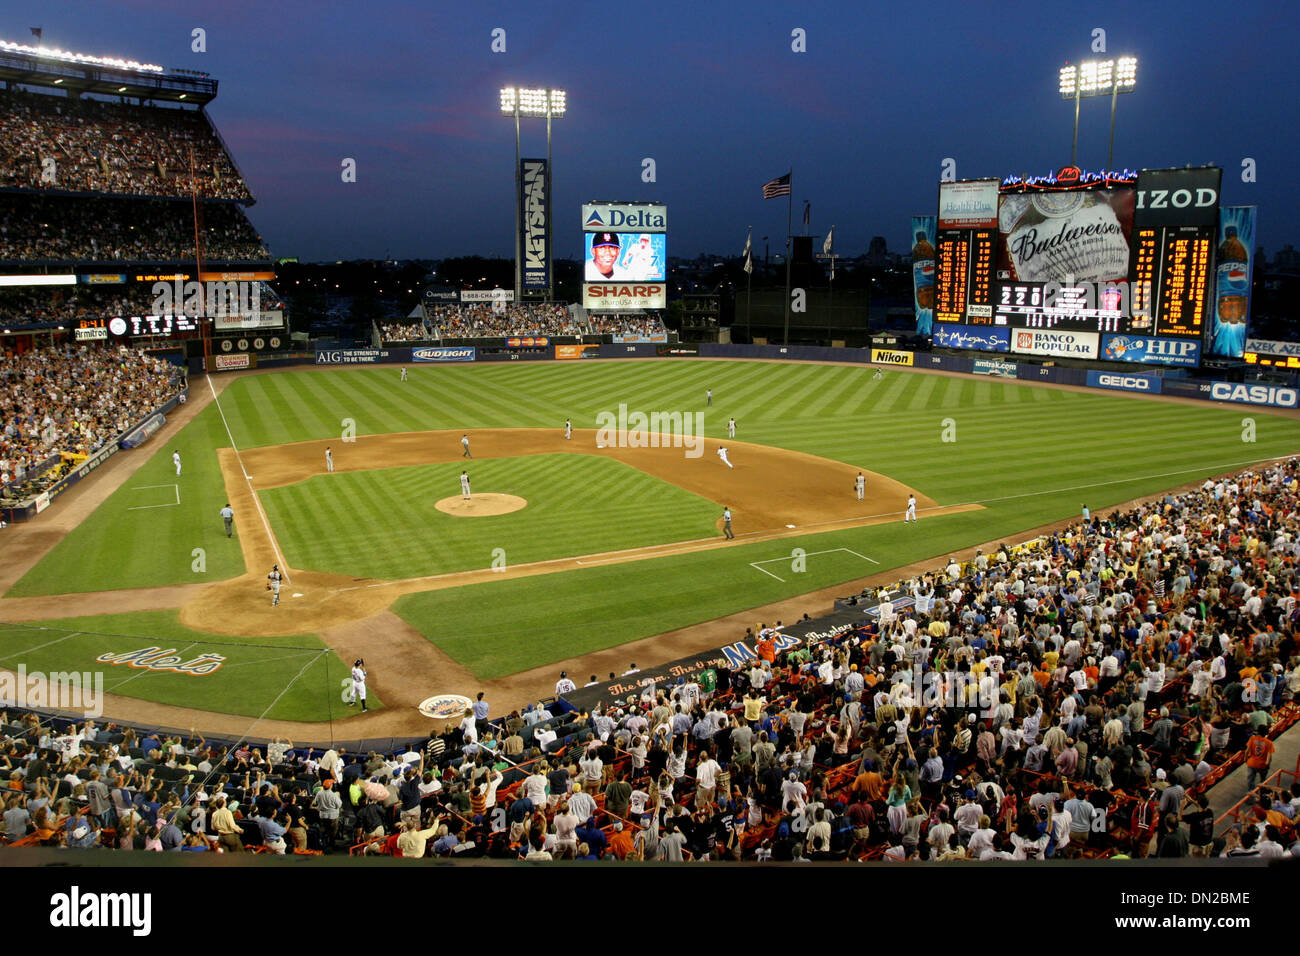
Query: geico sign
[[1254, 394], [625, 291], [1124, 381]]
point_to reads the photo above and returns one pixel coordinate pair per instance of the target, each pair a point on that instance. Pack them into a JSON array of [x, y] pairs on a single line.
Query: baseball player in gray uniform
[[228, 516], [726, 522], [273, 584], [403, 373], [464, 441]]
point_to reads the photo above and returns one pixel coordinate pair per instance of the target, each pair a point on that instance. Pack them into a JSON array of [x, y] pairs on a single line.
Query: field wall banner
[[457, 353], [986, 338], [923, 272], [143, 432], [693, 669], [996, 369], [1137, 348], [534, 223], [1150, 384], [891, 357], [577, 351], [1232, 281], [361, 356], [228, 363]]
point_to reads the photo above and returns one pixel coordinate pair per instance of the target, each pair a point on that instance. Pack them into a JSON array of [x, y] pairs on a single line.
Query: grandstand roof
[[82, 73]]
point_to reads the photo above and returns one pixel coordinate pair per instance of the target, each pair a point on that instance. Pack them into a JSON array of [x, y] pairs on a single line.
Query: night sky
[[711, 91]]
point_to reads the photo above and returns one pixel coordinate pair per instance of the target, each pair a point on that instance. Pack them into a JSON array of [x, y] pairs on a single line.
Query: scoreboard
[[1101, 254]]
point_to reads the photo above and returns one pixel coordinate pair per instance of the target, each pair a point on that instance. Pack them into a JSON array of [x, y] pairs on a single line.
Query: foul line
[[28, 650], [176, 488], [256, 500], [755, 564]]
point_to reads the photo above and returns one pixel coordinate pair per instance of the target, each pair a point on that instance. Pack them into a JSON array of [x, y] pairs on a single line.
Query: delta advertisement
[[984, 337], [1150, 384], [1056, 344], [968, 205], [624, 217], [1232, 280], [619, 296], [534, 223], [1136, 348], [459, 353], [923, 272]]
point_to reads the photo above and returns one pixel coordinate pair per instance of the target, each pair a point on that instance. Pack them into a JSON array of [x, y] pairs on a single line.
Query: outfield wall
[[1142, 379]]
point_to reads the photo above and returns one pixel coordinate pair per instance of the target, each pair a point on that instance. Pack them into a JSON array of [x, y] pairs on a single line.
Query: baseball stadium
[[431, 570]]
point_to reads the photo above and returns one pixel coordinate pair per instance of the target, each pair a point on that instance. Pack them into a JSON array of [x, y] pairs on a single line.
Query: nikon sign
[[534, 223]]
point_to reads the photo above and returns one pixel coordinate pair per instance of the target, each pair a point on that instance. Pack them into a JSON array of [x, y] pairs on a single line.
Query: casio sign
[[1255, 394], [1125, 381]]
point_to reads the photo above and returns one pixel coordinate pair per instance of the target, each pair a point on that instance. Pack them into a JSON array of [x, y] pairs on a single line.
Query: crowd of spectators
[[60, 228], [65, 305], [74, 401], [1090, 687], [481, 321], [84, 145]]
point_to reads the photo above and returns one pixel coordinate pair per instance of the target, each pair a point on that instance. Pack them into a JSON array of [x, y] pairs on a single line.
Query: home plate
[[789, 526]]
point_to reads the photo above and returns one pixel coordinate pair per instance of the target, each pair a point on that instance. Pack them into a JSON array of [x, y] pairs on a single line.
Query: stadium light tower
[[548, 103], [1097, 78]]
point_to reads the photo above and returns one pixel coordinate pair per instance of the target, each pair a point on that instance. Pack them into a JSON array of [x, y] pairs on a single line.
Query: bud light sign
[[1136, 348], [1150, 384], [463, 353]]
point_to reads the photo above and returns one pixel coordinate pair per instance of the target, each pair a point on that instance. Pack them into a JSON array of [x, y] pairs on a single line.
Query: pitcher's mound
[[481, 505]]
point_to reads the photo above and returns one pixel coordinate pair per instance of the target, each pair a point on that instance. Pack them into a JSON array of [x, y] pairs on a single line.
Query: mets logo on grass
[[624, 429], [158, 659]]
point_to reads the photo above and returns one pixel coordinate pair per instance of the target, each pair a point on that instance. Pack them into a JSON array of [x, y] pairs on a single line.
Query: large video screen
[[625, 257]]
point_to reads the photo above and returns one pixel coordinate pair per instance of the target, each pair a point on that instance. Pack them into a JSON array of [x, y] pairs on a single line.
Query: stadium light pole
[[533, 102], [1097, 78]]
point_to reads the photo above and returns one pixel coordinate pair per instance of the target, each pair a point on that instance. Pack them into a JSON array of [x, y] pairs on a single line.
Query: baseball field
[[570, 552]]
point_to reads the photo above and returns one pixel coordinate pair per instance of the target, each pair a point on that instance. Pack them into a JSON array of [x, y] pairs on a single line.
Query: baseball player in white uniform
[[731, 428], [464, 486], [464, 441], [359, 683], [568, 429], [722, 453], [708, 395], [860, 485], [176, 460], [329, 460], [403, 373], [273, 584], [911, 509], [564, 685]]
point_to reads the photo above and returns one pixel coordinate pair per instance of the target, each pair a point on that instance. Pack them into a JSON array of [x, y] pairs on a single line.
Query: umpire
[[228, 516]]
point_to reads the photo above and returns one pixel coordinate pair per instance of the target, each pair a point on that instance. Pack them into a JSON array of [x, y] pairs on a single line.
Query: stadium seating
[[481, 321]]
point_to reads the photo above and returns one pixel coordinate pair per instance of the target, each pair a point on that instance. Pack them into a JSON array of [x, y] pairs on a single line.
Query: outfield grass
[[384, 523], [1029, 454], [299, 670]]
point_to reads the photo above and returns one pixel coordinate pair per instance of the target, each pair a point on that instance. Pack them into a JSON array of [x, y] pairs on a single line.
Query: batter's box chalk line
[[810, 554], [166, 504]]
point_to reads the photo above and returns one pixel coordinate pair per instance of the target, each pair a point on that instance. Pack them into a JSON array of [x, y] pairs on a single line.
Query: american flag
[[777, 187]]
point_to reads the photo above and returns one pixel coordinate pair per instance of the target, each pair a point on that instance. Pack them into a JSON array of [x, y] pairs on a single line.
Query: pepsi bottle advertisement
[[1236, 252], [923, 272]]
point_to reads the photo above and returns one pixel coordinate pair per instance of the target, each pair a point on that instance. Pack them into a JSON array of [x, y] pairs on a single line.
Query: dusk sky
[[711, 91]]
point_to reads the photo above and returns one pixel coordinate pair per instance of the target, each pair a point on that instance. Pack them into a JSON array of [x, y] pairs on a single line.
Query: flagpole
[[789, 229]]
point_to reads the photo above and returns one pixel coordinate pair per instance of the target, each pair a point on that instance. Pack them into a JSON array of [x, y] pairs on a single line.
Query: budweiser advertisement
[[616, 296], [1068, 236]]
